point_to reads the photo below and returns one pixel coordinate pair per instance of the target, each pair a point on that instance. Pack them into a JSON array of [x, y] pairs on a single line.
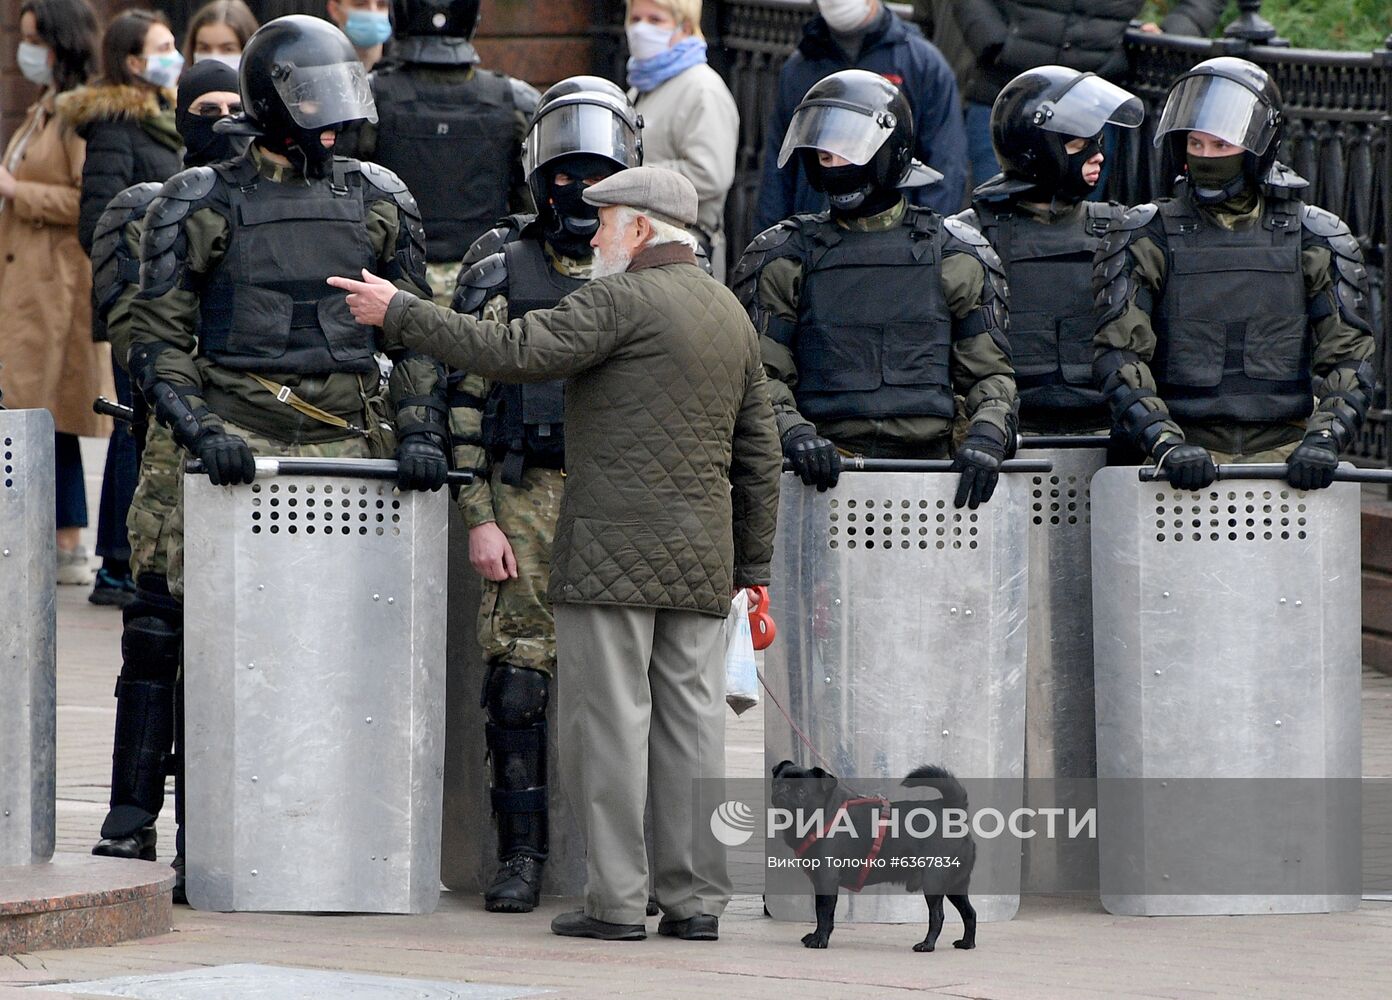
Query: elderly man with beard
[[670, 501]]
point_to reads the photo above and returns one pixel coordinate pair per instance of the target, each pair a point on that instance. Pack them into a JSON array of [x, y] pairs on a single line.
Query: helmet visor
[[1085, 107], [581, 126], [319, 96], [847, 131], [1220, 107]]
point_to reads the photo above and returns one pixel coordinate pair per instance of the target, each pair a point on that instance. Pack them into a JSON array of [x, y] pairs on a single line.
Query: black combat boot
[[140, 759], [519, 805]]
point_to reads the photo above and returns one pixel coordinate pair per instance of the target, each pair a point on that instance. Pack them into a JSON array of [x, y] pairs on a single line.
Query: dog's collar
[[814, 836]]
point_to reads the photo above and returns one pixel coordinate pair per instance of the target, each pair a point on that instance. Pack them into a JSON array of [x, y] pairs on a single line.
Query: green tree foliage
[[1312, 24]]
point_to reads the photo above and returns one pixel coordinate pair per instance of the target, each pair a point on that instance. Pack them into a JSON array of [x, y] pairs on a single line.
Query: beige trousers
[[642, 712]]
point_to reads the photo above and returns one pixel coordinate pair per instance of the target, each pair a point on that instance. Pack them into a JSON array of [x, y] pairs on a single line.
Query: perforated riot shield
[[1228, 667], [314, 694], [902, 642], [28, 658], [1060, 745]]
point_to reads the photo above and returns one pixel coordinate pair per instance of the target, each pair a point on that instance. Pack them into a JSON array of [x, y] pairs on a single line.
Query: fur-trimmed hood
[[110, 102]]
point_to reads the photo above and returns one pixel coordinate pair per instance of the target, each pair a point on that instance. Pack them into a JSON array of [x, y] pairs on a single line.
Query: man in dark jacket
[[864, 34], [1011, 36], [671, 496]]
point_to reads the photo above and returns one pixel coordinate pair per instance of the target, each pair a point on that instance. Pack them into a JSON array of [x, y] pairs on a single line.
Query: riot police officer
[[1221, 306], [236, 340], [584, 130], [152, 624], [874, 315], [1046, 127], [449, 128]]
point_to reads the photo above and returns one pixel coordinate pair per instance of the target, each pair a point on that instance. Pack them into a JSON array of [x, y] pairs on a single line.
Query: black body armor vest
[[523, 425], [1049, 271], [267, 306], [874, 336], [1232, 331], [454, 145]]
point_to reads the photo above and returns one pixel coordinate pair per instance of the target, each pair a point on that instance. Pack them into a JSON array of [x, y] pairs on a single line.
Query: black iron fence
[[1339, 132]]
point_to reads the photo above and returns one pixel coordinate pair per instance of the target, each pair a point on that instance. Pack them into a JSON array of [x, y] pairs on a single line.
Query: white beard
[[605, 265]]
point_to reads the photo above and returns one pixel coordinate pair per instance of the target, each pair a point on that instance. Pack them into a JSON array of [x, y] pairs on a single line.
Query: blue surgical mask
[[33, 63], [163, 69], [366, 28], [234, 61]]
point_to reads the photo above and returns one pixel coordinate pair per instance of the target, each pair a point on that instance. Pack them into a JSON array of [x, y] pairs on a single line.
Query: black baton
[[1277, 470], [353, 468]]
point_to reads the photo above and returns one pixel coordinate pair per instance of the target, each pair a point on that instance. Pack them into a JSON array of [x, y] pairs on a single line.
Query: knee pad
[[515, 697], [151, 644]]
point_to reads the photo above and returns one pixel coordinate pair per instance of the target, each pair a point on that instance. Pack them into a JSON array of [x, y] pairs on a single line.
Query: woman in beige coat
[[46, 344]]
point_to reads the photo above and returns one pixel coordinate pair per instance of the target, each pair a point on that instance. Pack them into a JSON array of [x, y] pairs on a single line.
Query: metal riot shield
[[1060, 744], [1228, 667], [469, 856], [902, 642], [28, 653], [314, 694]]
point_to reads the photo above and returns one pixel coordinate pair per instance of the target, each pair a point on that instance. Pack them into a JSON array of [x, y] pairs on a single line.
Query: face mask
[[33, 63], [366, 28], [576, 220], [202, 145], [163, 69], [647, 40], [234, 61], [1216, 178], [844, 15], [1073, 188]]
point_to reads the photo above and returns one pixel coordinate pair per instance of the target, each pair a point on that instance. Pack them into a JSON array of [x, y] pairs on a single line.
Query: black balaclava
[[569, 222], [1215, 179], [852, 191], [201, 144], [1072, 188]]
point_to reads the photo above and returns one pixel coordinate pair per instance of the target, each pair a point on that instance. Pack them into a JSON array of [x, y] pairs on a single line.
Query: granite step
[[81, 901]]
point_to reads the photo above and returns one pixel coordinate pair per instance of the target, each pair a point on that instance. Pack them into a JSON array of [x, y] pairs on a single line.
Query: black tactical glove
[[421, 463], [814, 458], [1311, 466], [226, 458], [978, 460], [1186, 466]]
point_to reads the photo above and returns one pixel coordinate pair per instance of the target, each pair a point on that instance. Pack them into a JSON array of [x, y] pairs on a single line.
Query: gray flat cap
[[664, 194]]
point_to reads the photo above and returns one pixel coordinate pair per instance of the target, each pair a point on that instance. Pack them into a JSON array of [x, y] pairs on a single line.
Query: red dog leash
[[814, 836]]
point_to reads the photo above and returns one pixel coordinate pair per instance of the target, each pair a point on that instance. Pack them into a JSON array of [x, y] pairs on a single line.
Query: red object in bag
[[760, 621]]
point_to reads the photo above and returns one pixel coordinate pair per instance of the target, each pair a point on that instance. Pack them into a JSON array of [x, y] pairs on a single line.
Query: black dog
[[936, 865]]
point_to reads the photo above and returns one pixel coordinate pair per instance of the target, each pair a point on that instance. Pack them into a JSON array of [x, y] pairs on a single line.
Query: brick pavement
[[1057, 947]]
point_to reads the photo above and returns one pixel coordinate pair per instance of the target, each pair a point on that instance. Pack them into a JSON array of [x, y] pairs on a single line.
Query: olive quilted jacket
[[672, 458]]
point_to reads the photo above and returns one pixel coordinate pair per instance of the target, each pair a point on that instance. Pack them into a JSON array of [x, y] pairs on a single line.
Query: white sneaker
[[73, 568]]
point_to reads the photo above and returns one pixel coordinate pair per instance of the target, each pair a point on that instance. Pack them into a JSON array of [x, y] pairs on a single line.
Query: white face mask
[[163, 69], [33, 63], [844, 15], [234, 61], [647, 40]]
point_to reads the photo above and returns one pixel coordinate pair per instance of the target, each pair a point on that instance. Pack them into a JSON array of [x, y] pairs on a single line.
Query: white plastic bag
[[741, 672]]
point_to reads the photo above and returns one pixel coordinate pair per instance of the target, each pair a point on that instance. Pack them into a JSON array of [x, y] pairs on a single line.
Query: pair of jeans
[[70, 490]]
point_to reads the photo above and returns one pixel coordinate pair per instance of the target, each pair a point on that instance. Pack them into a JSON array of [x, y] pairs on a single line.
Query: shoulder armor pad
[[381, 178], [959, 230], [411, 256], [479, 282], [493, 241], [1322, 223], [969, 218], [1137, 217], [114, 267], [774, 242], [524, 96], [164, 221]]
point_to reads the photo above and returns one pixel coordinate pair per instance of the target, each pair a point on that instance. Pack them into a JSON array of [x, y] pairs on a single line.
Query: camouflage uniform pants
[[515, 622], [1273, 456], [442, 277], [150, 518], [353, 447]]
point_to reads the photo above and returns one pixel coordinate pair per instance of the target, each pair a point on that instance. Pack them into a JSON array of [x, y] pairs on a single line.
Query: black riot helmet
[[299, 76], [443, 18], [1230, 98], [583, 126], [1040, 111], [864, 119]]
